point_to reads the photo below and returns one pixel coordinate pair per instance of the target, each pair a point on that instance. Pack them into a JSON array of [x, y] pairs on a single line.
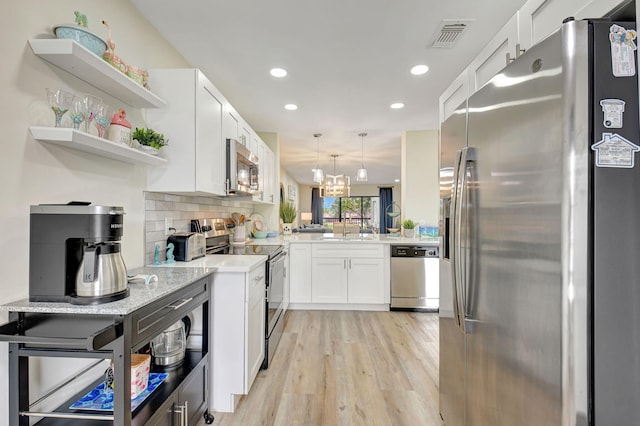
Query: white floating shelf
[[81, 62], [82, 141]]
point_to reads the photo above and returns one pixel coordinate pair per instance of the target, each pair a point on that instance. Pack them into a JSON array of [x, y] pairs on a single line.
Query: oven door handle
[[271, 264], [283, 253], [219, 249]]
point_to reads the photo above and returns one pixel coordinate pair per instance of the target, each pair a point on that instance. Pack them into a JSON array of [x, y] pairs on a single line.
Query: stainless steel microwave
[[242, 170]]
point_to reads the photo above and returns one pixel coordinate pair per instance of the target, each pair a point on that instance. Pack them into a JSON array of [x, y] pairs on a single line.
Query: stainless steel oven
[[275, 305], [217, 238], [215, 233]]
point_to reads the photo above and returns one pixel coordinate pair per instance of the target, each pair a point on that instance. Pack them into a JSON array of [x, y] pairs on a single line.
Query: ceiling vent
[[449, 32]]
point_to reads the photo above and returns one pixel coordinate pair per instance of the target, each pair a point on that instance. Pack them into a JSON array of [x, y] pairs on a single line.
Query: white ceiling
[[348, 60]]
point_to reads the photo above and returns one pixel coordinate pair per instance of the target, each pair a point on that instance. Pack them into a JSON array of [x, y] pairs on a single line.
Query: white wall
[[420, 191], [34, 173], [285, 182]]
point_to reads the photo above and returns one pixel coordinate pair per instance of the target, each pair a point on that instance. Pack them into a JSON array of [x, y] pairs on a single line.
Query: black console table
[[114, 333]]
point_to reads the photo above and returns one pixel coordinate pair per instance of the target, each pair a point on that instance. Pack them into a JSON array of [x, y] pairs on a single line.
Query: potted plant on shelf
[[288, 215], [409, 228], [150, 140]]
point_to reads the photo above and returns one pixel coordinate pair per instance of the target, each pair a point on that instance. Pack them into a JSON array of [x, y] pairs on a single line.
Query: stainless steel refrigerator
[[540, 258]]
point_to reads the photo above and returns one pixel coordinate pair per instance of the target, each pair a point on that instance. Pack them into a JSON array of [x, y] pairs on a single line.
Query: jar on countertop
[[120, 129]]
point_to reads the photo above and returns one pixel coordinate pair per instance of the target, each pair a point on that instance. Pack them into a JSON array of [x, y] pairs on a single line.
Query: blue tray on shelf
[[99, 400]]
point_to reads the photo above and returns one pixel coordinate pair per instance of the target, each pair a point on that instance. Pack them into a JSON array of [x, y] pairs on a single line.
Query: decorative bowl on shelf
[[83, 36], [260, 234]]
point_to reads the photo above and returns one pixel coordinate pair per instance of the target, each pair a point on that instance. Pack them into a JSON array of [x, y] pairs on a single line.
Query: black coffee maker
[[74, 254]]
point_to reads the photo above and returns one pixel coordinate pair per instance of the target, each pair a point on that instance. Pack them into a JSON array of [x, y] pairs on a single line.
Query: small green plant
[[408, 224], [287, 212], [150, 137]]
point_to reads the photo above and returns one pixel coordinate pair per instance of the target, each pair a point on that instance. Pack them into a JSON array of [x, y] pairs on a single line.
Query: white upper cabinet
[[229, 124], [539, 18], [266, 169], [192, 121], [454, 95], [245, 137], [198, 120], [531, 24], [269, 188], [494, 56]]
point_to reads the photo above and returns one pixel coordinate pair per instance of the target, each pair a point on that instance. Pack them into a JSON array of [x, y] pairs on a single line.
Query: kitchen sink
[[346, 238]]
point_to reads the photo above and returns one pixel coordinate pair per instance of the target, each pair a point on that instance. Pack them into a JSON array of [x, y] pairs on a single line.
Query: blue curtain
[[386, 199], [317, 207]]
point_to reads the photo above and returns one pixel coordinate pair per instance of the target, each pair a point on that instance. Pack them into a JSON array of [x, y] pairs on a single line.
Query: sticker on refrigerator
[[623, 61], [614, 151], [612, 109]]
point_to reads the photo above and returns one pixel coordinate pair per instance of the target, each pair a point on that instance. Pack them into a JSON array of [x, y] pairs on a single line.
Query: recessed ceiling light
[[397, 105], [419, 69], [291, 107], [278, 72], [397, 180]]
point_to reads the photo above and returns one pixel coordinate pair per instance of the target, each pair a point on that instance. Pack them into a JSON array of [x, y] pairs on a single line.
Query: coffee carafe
[[74, 254], [102, 271]]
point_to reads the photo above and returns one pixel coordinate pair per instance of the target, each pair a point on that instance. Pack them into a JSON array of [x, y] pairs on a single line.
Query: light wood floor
[[347, 368]]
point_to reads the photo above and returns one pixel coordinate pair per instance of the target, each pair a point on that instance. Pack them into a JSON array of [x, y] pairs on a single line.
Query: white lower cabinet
[[237, 340], [366, 284], [347, 280], [329, 280], [348, 273], [299, 273]]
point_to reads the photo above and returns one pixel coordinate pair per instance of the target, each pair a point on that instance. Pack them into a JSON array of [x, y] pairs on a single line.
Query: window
[[364, 211]]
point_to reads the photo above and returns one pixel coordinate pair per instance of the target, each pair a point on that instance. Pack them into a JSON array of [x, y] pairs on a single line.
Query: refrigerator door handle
[[464, 233], [453, 255]]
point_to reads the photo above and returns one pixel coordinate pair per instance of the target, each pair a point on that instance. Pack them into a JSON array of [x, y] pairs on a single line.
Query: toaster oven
[[187, 245]]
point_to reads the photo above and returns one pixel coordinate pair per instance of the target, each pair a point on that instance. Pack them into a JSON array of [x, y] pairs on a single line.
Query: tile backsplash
[[180, 209]]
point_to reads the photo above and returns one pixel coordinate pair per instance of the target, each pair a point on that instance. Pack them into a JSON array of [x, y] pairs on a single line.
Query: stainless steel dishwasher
[[414, 277]]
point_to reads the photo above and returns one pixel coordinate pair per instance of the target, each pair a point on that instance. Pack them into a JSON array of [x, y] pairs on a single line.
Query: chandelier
[[335, 185], [318, 174], [361, 174]]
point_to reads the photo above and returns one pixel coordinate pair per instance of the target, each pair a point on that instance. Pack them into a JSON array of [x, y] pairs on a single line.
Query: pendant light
[[361, 175], [318, 174], [335, 185]]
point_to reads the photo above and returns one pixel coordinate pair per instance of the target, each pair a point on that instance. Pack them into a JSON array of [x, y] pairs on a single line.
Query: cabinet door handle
[[344, 263], [181, 304], [183, 410], [519, 52], [258, 278], [349, 263]]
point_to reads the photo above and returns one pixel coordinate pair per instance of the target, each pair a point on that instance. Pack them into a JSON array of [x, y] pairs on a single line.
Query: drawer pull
[[181, 304]]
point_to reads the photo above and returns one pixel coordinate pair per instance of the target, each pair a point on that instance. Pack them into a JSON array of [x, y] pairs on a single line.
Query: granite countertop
[[171, 277], [169, 280]]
